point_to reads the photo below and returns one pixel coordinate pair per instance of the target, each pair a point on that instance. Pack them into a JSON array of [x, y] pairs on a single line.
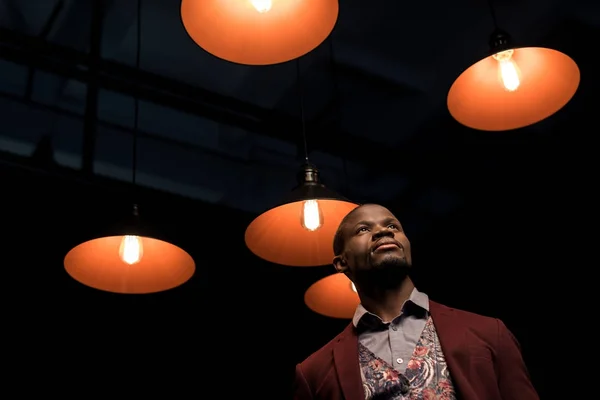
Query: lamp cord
[[136, 105], [493, 13], [302, 112]]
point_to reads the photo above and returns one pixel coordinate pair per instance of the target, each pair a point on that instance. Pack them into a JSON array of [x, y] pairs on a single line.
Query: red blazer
[[483, 356]]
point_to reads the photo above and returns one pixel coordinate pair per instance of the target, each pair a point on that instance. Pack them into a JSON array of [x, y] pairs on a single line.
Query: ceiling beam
[[68, 62], [117, 77]]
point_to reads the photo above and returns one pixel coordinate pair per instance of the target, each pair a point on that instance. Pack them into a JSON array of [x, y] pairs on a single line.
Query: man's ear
[[340, 264]]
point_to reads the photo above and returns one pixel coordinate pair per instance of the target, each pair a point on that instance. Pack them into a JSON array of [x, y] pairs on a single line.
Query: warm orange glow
[[332, 296], [262, 5], [512, 90], [508, 71], [99, 264], [259, 32], [131, 249], [278, 235], [312, 216]]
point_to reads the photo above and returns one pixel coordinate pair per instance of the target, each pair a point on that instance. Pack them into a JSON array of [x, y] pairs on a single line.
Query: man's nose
[[385, 231]]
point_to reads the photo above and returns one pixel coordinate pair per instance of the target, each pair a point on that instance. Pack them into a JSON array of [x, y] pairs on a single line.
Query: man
[[401, 345]]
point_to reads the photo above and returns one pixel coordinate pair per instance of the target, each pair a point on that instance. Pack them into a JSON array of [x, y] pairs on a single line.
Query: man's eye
[[392, 226], [362, 229]]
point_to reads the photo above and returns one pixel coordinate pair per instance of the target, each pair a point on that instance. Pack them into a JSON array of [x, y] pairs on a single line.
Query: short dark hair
[[338, 238]]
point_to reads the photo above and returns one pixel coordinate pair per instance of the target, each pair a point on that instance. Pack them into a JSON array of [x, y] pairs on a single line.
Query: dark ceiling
[[221, 143]]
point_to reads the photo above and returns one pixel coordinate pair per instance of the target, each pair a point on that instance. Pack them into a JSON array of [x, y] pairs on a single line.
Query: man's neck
[[387, 304]]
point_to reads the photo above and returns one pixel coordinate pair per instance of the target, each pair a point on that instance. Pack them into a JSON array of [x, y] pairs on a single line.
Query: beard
[[384, 274]]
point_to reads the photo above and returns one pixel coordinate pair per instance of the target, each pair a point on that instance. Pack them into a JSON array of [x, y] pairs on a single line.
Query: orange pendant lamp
[[131, 261], [513, 87], [259, 32], [333, 296], [299, 233]]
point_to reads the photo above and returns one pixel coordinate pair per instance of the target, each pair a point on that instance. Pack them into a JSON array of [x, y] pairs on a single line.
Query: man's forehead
[[369, 212]]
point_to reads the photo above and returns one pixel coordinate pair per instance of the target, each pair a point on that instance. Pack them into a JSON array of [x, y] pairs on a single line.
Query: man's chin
[[388, 272], [388, 261]]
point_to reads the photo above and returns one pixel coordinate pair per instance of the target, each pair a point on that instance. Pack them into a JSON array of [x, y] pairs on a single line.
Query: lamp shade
[[332, 296], [299, 233], [131, 263], [513, 87], [259, 32]]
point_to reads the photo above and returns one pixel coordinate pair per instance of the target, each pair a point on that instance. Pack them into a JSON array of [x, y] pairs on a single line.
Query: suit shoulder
[[316, 368], [469, 318], [320, 363]]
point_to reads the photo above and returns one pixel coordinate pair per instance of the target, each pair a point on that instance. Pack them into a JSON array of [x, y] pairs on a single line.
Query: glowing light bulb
[[131, 249], [312, 217], [262, 6], [353, 287], [508, 70]]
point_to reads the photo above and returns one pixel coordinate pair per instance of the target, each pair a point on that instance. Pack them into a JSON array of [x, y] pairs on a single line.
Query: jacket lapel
[[345, 355], [453, 339]]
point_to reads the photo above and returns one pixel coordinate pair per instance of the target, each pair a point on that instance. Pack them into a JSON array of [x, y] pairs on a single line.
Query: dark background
[[488, 214]]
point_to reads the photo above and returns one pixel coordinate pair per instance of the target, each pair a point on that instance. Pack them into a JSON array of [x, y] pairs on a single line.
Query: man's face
[[375, 247]]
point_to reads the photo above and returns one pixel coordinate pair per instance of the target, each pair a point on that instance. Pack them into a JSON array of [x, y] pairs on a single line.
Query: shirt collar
[[416, 298]]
